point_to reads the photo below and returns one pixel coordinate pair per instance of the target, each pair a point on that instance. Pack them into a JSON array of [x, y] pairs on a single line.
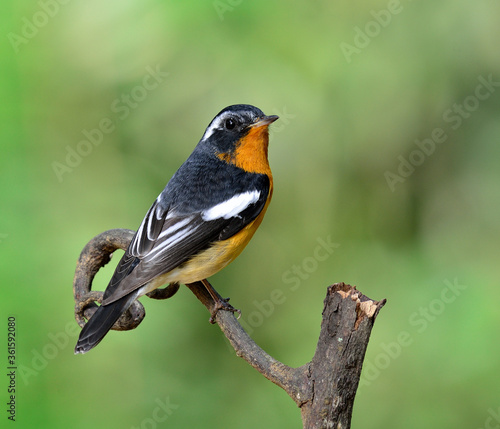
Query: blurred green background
[[361, 88]]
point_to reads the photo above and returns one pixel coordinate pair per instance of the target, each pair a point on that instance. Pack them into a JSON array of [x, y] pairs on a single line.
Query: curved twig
[[324, 388], [94, 256]]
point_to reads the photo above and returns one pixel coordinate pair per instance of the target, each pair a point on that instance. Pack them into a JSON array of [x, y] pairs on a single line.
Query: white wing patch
[[175, 227], [169, 242], [150, 227], [232, 207], [134, 249]]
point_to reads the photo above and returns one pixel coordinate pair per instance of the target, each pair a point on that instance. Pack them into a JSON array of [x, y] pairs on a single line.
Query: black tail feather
[[101, 322]]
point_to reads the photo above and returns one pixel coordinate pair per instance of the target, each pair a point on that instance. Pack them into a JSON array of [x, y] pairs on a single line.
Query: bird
[[201, 221]]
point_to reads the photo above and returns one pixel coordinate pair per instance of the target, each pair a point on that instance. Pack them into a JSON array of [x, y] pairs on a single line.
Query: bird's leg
[[219, 302]]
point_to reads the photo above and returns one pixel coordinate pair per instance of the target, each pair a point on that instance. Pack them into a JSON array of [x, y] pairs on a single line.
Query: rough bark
[[335, 369], [323, 388]]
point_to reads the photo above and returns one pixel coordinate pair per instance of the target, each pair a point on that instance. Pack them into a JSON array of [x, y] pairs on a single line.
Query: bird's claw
[[223, 304]]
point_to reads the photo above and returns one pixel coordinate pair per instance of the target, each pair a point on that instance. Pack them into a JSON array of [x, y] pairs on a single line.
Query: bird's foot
[[223, 304]]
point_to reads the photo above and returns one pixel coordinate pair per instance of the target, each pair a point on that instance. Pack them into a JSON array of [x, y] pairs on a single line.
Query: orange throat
[[251, 152]]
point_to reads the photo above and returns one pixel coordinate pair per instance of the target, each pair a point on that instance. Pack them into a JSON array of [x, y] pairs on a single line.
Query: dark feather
[[101, 322]]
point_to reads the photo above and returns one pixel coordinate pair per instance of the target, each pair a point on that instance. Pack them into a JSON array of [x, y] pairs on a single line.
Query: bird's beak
[[265, 121]]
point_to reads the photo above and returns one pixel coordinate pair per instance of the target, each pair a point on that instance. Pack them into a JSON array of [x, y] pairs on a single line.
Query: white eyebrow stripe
[[209, 131], [216, 123], [232, 207]]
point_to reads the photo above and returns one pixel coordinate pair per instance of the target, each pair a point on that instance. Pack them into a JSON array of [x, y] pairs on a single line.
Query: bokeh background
[[361, 87]]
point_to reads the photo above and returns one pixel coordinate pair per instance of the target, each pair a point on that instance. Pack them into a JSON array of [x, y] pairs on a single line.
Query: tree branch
[[289, 379], [94, 256], [324, 388], [348, 318]]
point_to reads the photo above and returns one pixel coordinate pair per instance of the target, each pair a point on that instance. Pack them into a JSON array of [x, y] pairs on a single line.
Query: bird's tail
[[101, 322]]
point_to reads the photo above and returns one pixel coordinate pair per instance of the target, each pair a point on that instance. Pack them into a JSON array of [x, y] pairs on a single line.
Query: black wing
[[169, 237]]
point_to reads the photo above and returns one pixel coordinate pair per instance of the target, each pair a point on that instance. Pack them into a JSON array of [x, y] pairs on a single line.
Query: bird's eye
[[230, 124]]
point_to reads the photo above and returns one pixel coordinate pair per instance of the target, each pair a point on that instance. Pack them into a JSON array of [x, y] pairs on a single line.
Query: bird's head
[[239, 134]]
